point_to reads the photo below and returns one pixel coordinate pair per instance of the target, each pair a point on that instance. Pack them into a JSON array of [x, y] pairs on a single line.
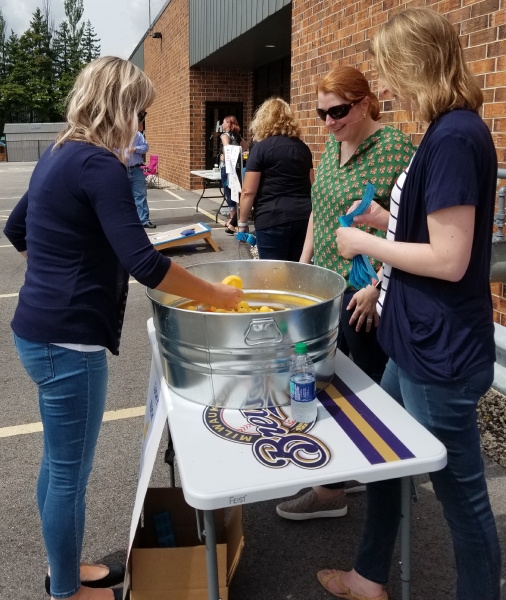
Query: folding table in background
[[210, 180]]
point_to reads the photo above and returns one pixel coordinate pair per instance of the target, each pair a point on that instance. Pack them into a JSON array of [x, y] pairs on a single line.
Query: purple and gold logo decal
[[373, 438], [276, 440]]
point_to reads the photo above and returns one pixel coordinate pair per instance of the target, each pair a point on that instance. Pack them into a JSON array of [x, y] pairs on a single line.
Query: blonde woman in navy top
[[436, 321], [79, 228]]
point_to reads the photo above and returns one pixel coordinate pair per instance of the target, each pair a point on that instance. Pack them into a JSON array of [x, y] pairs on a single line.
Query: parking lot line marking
[[221, 219], [152, 208], [110, 415], [172, 194], [124, 413], [20, 429], [204, 212]]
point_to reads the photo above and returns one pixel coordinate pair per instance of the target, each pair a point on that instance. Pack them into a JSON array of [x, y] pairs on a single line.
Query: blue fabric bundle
[[361, 271], [249, 238]]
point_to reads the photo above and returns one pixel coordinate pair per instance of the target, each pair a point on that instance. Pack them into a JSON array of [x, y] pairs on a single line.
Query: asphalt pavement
[[280, 558]]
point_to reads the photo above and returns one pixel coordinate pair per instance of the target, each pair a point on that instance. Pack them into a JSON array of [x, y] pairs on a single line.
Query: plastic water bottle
[[302, 386]]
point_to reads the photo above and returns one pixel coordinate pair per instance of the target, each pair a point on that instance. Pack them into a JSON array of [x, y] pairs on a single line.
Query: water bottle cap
[[300, 348]]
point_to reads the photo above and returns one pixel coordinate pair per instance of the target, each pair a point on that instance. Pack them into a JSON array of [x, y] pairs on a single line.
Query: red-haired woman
[[360, 149], [230, 135]]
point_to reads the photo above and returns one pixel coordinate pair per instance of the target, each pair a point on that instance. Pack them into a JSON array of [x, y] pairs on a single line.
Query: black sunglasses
[[141, 116], [337, 112]]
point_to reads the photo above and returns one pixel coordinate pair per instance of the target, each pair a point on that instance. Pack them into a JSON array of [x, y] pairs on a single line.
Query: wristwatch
[[378, 285]]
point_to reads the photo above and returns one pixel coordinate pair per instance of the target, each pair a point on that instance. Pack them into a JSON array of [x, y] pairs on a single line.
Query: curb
[[499, 382]]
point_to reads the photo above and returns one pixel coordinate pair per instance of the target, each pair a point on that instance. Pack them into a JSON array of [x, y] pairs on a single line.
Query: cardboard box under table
[[180, 573]]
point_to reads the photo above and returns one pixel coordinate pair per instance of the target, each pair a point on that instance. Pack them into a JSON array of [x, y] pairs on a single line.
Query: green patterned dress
[[380, 159]]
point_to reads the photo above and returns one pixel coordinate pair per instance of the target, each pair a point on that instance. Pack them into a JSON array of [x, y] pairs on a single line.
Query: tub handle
[[263, 331]]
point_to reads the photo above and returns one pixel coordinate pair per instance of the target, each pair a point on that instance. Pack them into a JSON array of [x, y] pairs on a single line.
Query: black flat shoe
[[118, 593], [149, 225], [116, 575], [229, 231]]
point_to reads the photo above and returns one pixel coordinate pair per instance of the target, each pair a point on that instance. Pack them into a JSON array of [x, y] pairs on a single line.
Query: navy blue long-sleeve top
[[79, 225], [439, 330]]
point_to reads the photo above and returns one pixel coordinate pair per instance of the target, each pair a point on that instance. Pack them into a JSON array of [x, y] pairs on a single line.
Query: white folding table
[[245, 456], [210, 179]]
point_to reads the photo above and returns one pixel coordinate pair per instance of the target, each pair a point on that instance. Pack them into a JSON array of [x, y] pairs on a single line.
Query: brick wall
[[230, 85], [168, 122], [175, 125], [331, 31]]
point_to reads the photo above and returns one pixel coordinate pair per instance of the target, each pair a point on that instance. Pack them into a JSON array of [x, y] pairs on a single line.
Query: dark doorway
[[272, 79], [215, 113]]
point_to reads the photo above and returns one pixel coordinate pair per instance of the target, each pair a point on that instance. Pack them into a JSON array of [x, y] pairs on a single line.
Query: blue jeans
[[138, 183], [226, 190], [282, 242], [448, 411], [72, 390]]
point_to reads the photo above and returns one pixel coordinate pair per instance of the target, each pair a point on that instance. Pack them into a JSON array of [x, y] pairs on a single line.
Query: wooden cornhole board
[[167, 239]]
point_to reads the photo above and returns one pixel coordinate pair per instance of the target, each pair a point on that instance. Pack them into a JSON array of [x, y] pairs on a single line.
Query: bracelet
[[242, 225]]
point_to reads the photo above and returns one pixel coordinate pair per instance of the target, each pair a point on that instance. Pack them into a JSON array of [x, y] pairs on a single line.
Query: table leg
[[222, 201], [211, 556], [405, 536], [170, 455], [201, 195], [207, 184]]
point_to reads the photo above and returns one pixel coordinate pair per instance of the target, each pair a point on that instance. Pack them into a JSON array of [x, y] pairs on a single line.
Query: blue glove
[[249, 238], [361, 271], [347, 220]]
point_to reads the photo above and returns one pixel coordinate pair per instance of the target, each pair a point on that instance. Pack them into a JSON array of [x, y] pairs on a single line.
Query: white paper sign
[[154, 423]]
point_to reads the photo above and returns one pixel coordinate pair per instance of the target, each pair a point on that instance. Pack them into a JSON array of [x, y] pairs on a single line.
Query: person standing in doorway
[[230, 135], [135, 160]]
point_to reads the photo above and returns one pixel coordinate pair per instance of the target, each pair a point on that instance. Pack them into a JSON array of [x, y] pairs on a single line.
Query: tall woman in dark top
[[436, 317], [278, 179], [78, 226]]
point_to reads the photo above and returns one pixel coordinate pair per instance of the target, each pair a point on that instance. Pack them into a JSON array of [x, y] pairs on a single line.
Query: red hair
[[349, 83], [234, 125]]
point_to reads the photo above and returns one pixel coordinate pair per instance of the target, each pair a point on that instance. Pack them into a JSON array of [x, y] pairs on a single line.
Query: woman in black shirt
[[278, 180]]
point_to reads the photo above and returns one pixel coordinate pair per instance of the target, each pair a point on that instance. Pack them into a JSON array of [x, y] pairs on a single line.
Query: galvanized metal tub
[[242, 361]]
